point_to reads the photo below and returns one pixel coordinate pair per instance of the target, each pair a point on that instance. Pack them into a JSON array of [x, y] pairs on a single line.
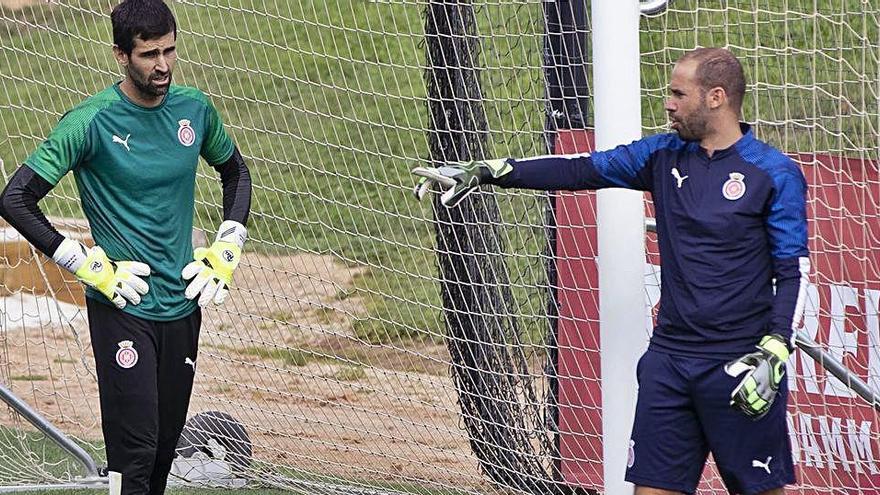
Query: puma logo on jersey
[[123, 142], [678, 178], [763, 465], [191, 363]]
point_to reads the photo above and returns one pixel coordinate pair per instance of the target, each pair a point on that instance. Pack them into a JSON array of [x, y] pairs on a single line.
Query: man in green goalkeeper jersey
[[133, 150]]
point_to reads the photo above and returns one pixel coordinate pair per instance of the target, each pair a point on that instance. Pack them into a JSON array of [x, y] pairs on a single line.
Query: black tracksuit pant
[[145, 375]]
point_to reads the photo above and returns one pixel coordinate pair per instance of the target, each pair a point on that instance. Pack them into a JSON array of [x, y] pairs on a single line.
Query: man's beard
[[695, 126], [146, 87]]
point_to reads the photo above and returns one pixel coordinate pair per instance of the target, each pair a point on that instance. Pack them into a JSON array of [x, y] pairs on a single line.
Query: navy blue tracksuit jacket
[[728, 225]]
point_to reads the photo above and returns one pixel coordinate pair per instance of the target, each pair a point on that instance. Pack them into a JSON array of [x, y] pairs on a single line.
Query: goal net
[[813, 81], [812, 92], [375, 343]]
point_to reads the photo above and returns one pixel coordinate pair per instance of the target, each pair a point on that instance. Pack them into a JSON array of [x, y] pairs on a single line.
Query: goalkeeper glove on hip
[[764, 371], [119, 281], [458, 179], [211, 272]]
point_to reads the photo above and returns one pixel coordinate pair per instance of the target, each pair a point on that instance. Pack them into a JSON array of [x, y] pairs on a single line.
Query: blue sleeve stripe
[[621, 165], [624, 163], [788, 213], [624, 166], [787, 220]]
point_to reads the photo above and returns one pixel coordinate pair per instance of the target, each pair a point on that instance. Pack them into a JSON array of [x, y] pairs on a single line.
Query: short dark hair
[[144, 19], [717, 67]]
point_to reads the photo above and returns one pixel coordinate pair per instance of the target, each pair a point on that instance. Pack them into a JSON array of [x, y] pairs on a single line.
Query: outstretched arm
[[619, 167], [626, 166]]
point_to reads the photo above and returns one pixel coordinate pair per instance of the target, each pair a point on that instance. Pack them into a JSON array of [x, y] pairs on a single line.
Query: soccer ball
[[213, 445]]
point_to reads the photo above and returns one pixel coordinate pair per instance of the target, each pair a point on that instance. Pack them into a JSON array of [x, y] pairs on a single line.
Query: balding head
[[718, 68]]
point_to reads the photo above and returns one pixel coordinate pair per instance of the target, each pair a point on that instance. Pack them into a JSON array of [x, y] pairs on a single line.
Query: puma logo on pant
[[763, 465]]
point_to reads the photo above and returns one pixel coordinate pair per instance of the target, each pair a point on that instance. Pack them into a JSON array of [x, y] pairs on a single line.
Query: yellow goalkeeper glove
[[119, 281], [211, 272], [765, 370]]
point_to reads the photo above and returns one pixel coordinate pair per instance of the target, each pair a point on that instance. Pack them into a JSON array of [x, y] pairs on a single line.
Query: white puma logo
[[124, 142], [763, 465], [191, 363], [678, 177]]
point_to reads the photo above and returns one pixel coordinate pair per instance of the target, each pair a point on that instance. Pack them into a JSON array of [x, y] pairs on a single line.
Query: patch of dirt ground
[[281, 357]]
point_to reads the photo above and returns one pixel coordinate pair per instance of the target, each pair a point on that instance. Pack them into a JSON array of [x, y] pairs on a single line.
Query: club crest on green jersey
[[185, 134]]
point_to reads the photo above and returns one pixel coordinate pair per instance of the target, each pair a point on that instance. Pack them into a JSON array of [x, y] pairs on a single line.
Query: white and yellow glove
[[764, 370], [458, 179], [119, 281], [211, 272]]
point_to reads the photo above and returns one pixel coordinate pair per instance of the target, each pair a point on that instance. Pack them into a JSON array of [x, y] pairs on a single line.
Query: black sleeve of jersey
[[236, 180], [18, 205]]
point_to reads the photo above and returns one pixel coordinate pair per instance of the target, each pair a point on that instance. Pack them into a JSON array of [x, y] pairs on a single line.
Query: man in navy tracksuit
[[731, 220]]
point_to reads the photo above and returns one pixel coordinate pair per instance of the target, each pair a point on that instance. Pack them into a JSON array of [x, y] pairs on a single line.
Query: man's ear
[[716, 97], [121, 56]]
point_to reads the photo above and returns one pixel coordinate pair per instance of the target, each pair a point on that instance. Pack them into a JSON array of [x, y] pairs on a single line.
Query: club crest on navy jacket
[[728, 226]]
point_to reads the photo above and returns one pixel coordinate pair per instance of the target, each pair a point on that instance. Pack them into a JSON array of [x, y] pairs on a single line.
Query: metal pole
[[49, 430], [838, 369], [621, 231]]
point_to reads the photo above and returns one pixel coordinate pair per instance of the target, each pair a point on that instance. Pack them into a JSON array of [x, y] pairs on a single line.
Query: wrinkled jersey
[[135, 169], [727, 225]]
